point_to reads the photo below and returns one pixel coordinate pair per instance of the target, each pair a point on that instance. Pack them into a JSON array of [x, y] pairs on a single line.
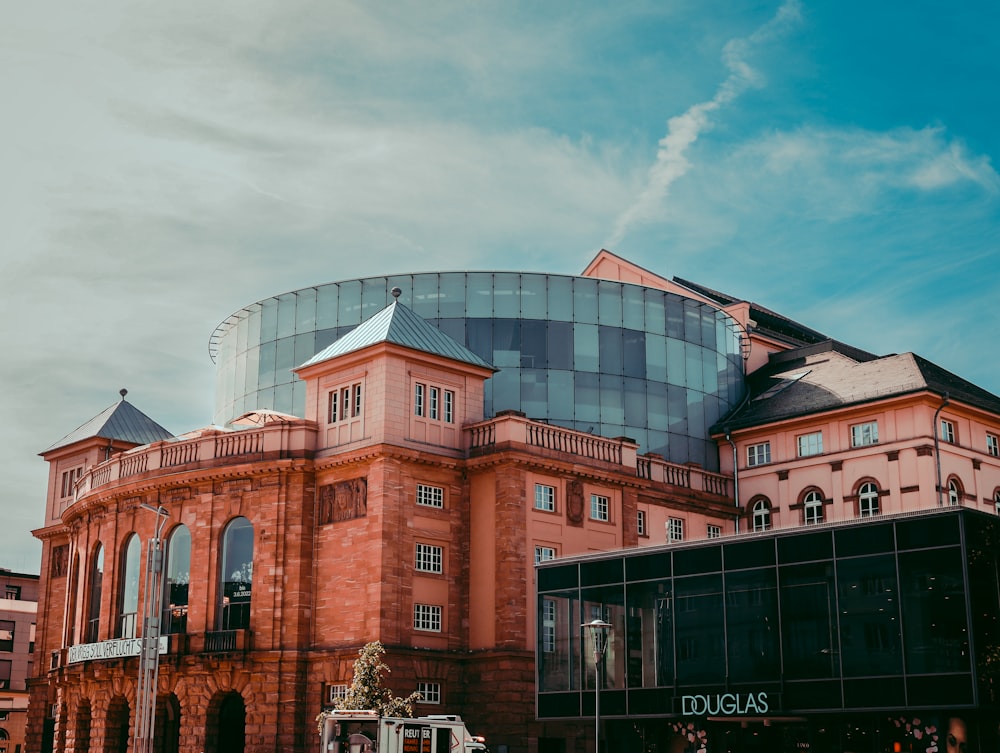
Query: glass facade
[[899, 615], [594, 355]]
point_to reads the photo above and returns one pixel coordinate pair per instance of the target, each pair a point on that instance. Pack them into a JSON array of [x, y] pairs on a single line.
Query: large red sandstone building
[[402, 488]]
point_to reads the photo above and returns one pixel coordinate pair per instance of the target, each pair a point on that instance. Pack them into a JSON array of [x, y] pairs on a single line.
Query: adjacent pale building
[[18, 613]]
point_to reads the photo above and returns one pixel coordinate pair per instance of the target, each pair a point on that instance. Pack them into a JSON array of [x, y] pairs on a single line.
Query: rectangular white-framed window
[[993, 445], [335, 693], [449, 407], [345, 402], [675, 529], [545, 497], [759, 454], [599, 507], [418, 398], [430, 692], [714, 531], [810, 444], [430, 496], [427, 617], [640, 523], [430, 558], [544, 554], [947, 431], [864, 434], [7, 635], [549, 625], [432, 413]]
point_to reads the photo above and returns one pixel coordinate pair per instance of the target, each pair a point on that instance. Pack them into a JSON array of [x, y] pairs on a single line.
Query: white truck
[[344, 731]]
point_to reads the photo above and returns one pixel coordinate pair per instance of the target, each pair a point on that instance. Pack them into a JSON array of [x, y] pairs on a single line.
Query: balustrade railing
[[179, 454], [584, 445], [239, 443], [512, 428], [515, 428], [220, 641], [133, 464], [207, 446]]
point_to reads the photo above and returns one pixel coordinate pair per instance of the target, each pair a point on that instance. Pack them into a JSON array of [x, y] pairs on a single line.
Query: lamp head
[[599, 632]]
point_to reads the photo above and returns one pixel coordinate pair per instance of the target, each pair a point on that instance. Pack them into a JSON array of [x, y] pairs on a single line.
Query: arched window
[[868, 500], [94, 585], [812, 507], [178, 578], [128, 588], [72, 618], [996, 501], [237, 575], [761, 515], [954, 491]]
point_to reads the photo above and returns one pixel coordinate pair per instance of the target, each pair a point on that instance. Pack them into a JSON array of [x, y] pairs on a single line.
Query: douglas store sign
[[724, 704]]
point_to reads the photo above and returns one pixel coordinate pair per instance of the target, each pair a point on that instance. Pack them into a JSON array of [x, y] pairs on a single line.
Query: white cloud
[[683, 130], [834, 173]]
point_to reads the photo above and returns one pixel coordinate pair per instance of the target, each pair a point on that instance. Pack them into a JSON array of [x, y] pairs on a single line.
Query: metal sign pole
[[149, 654]]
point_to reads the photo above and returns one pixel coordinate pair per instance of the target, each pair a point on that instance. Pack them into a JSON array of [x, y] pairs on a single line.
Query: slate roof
[[830, 375], [121, 421], [769, 322], [398, 325]]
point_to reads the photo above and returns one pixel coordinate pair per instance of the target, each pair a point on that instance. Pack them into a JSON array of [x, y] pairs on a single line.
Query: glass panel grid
[[567, 327]]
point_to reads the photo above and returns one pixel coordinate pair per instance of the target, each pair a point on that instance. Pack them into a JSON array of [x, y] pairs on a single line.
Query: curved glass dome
[[606, 357]]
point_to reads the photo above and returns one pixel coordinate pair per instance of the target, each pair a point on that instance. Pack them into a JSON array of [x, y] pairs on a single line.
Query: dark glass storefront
[[868, 636]]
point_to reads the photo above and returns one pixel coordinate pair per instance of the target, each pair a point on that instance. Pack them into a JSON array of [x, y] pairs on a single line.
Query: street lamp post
[[149, 656], [600, 631]]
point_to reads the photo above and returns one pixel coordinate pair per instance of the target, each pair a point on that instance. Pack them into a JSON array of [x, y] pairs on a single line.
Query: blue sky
[[166, 164]]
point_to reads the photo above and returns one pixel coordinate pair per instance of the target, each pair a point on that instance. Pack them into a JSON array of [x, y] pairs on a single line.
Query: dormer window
[[345, 403], [449, 407], [418, 398], [433, 402], [69, 479]]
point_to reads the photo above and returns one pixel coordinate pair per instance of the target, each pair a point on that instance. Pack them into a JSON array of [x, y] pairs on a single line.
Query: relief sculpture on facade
[[60, 560], [344, 500], [574, 502]]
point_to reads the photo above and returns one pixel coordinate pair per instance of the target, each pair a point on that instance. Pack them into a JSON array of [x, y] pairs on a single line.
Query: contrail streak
[[683, 130]]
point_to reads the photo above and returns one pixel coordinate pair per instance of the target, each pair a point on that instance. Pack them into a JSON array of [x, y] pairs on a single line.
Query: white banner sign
[[118, 648]]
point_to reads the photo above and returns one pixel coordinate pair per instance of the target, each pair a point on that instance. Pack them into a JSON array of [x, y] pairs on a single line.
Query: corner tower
[[394, 379]]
